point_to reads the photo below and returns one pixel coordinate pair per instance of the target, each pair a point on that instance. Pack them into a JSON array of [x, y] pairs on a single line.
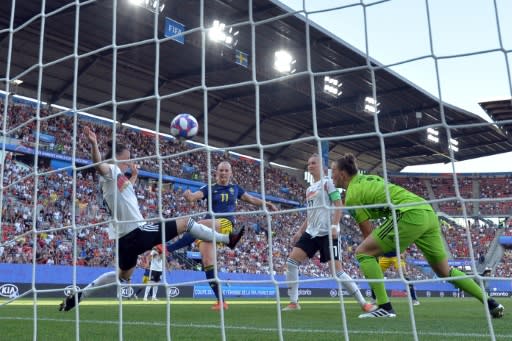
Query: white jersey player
[[313, 236], [133, 234], [155, 271]]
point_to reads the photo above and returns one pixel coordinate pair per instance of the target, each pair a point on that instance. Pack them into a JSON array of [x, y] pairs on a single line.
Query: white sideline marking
[[291, 330]]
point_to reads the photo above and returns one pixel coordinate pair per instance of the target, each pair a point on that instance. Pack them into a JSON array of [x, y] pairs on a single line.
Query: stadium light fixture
[[453, 144], [433, 135], [284, 62], [371, 106], [217, 33], [154, 6], [332, 86]]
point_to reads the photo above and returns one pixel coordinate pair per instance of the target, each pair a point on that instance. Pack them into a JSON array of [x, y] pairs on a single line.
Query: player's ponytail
[[348, 163]]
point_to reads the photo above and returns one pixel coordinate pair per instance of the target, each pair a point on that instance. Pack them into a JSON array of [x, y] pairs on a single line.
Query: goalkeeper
[[416, 223]]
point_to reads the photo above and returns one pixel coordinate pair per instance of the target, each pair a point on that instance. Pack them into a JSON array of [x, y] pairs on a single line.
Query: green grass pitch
[[320, 319]]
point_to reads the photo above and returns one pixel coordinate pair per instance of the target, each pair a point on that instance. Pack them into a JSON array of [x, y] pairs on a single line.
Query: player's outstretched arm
[[134, 173], [193, 196], [258, 202], [95, 152]]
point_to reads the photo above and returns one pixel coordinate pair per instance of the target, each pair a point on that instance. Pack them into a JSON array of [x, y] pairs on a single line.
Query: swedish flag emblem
[[241, 58]]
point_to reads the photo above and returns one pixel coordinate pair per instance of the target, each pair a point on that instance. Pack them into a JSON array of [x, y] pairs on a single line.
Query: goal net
[[396, 83]]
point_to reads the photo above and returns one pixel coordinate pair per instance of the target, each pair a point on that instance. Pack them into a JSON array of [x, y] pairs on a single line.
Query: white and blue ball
[[184, 126]]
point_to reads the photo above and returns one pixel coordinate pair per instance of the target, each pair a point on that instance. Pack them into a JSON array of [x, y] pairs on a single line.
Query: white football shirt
[[157, 262], [319, 216], [127, 204]]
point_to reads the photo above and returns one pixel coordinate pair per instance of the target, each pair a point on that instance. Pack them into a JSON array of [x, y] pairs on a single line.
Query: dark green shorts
[[420, 227]]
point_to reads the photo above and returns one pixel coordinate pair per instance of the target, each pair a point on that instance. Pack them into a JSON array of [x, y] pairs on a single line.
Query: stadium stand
[[95, 249]]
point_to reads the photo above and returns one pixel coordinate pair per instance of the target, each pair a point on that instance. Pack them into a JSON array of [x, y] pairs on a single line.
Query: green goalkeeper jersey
[[371, 189]]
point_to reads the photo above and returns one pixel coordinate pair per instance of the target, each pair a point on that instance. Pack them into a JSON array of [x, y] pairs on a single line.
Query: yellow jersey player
[[390, 259]]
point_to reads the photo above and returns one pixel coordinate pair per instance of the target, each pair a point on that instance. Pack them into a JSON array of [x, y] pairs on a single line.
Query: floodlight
[[371, 106], [433, 138], [432, 131], [217, 33], [332, 86], [284, 62], [433, 135], [154, 6], [453, 144]]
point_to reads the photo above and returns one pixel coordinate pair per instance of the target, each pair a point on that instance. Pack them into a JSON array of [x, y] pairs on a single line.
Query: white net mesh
[[84, 56]]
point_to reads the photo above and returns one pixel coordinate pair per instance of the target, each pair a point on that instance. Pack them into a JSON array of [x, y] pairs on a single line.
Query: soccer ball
[[184, 126]]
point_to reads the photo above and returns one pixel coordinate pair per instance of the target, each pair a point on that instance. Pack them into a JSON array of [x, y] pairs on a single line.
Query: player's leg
[[397, 266], [155, 279], [207, 250], [302, 250], [346, 280], [145, 279], [129, 246], [384, 263], [183, 242], [365, 255], [412, 290], [187, 238], [149, 286], [380, 241], [202, 232], [432, 247]]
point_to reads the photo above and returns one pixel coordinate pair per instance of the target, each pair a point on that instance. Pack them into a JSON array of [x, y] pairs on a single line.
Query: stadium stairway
[[431, 194], [476, 195], [495, 253]]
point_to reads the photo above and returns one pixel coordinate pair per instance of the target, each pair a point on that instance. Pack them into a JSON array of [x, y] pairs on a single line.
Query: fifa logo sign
[[9, 290]]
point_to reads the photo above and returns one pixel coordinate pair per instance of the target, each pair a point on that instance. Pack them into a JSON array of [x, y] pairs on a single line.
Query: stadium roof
[[501, 112], [285, 104]]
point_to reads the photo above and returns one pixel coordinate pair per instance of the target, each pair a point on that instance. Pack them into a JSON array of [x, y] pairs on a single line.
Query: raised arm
[[258, 202], [95, 152], [193, 196], [134, 173]]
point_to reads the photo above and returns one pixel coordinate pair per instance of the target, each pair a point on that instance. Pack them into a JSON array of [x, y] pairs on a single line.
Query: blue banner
[[45, 137], [173, 30], [451, 262], [194, 255], [505, 240], [235, 291]]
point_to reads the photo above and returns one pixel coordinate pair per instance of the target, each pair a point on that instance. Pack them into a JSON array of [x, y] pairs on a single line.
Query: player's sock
[[373, 295], [292, 274], [372, 270], [103, 279], [412, 290], [185, 240], [199, 231], [210, 276], [155, 290], [146, 293], [351, 287], [466, 284]]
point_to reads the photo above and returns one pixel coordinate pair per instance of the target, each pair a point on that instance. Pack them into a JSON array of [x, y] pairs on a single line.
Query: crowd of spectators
[[66, 209]]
